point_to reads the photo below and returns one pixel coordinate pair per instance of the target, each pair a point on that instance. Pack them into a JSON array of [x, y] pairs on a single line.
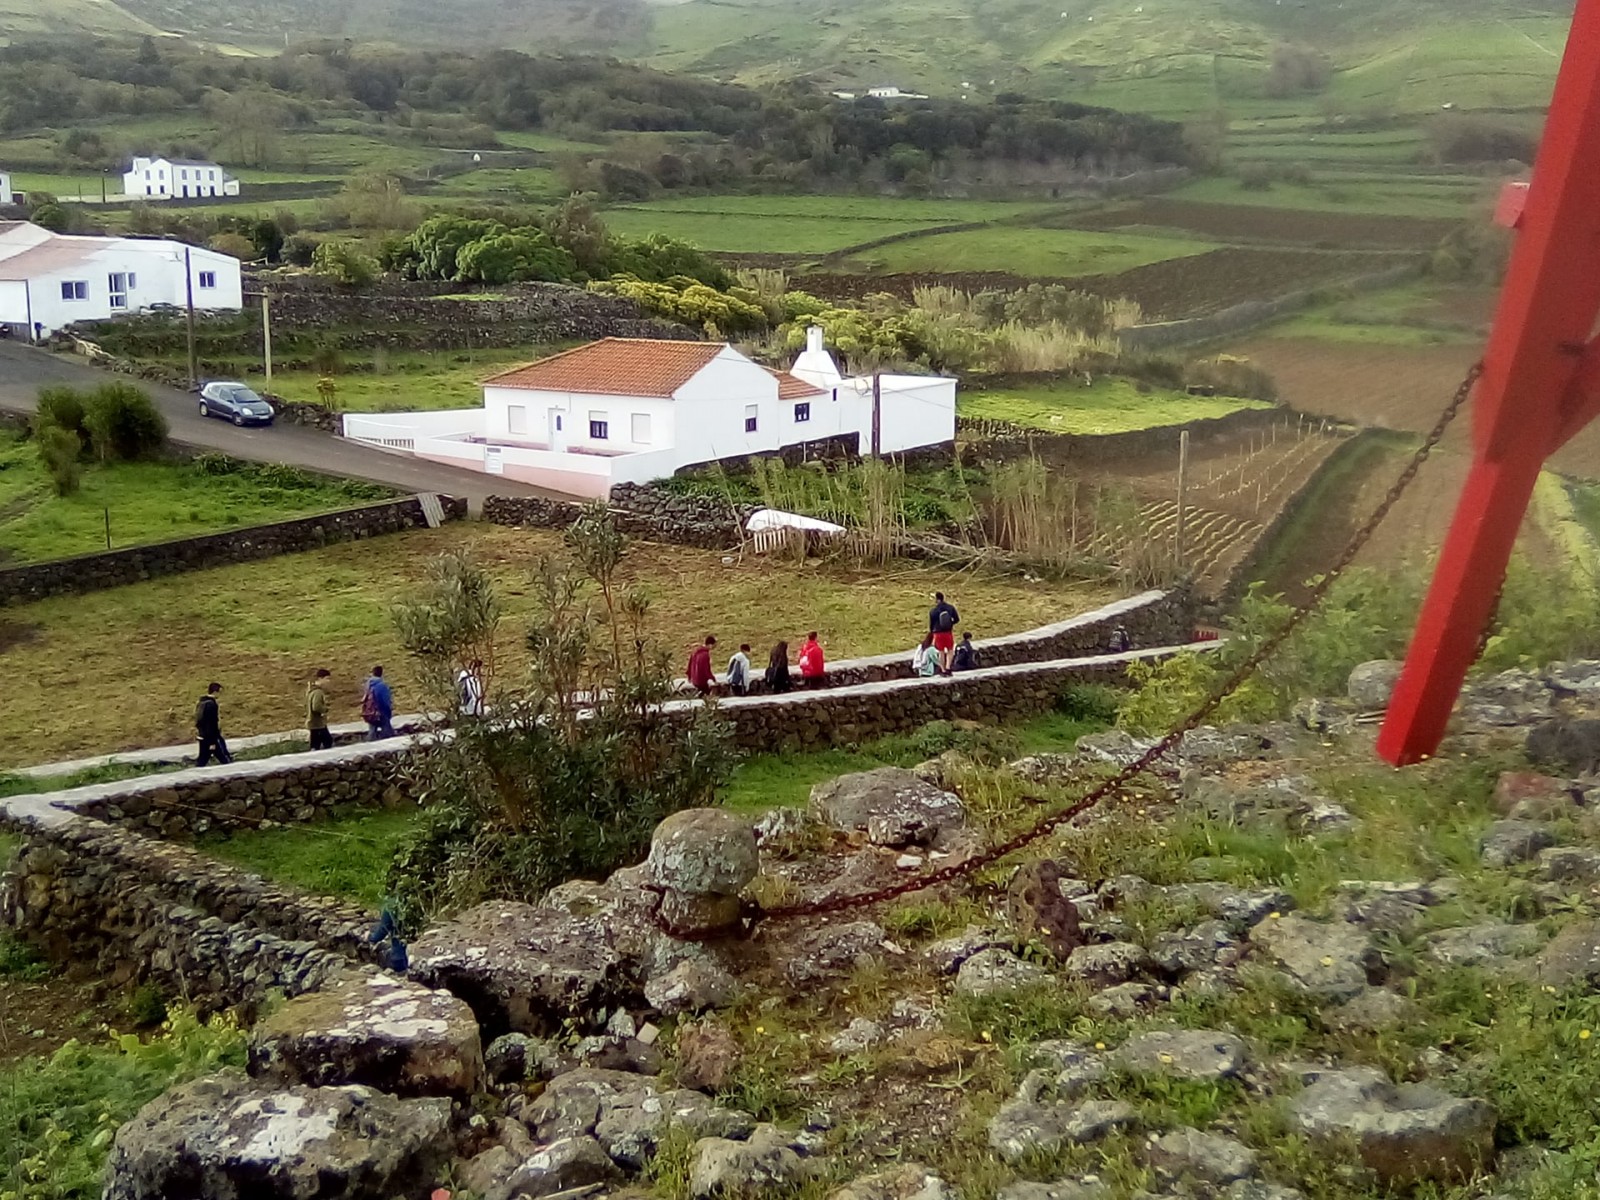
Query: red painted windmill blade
[[1540, 386]]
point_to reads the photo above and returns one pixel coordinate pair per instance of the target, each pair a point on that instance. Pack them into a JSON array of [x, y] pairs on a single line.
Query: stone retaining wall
[[639, 510], [140, 910], [1005, 442], [114, 568]]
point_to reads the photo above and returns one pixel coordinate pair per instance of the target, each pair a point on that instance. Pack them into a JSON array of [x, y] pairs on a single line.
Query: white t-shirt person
[[469, 692]]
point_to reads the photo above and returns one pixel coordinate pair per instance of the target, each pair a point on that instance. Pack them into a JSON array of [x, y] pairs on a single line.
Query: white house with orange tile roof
[[630, 410]]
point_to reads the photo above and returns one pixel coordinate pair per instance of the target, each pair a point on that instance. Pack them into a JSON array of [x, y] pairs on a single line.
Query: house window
[[119, 281], [641, 429], [802, 412], [77, 289], [599, 427], [516, 418], [750, 418], [208, 279]]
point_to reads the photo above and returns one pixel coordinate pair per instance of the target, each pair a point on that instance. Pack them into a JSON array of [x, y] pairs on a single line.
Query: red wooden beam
[[1537, 390]]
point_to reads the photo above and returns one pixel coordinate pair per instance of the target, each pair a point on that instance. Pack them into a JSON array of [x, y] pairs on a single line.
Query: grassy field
[[848, 208], [1400, 197], [1043, 252], [1426, 313], [754, 233], [122, 667], [408, 381], [1110, 405], [147, 502]]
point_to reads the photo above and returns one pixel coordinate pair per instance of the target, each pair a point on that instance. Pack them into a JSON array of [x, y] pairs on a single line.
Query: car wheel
[[238, 419], [205, 409]]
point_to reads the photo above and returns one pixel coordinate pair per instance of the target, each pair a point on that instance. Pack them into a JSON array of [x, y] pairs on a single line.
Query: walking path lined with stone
[[1012, 646]]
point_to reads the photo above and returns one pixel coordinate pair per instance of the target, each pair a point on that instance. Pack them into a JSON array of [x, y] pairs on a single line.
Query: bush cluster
[[115, 422]]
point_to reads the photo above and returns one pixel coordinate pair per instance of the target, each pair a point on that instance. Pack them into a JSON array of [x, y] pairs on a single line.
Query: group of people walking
[[937, 654], [377, 710]]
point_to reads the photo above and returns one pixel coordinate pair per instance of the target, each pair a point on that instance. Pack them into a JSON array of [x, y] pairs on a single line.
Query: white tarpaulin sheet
[[771, 518]]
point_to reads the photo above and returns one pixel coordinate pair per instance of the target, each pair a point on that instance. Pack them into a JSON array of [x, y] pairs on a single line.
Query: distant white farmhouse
[[176, 179], [49, 280], [626, 410], [7, 196], [893, 93]]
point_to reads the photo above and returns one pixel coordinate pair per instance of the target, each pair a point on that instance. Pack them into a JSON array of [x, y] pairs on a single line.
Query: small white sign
[[493, 462]]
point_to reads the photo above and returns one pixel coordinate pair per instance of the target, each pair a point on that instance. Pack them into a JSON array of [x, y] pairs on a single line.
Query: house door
[[558, 430]]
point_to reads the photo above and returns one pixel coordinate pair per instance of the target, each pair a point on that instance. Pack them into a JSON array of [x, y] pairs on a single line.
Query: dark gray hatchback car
[[234, 402]]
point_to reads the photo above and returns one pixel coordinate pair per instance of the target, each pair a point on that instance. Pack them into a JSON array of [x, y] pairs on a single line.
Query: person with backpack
[[377, 707], [1121, 643], [966, 655], [701, 677], [469, 689], [208, 728], [777, 675], [739, 672], [942, 621], [317, 712], [813, 668]]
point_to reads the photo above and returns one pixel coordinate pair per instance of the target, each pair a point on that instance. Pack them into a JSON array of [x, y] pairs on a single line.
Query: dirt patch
[[16, 633], [1390, 387], [1240, 223], [39, 1017]]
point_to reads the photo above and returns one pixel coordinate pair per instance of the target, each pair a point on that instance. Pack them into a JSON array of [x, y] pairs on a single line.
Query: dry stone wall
[[141, 910], [639, 510], [115, 568]]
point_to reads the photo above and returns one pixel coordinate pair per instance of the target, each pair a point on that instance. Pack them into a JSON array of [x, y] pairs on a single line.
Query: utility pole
[[266, 334], [877, 414], [1183, 486], [188, 282]]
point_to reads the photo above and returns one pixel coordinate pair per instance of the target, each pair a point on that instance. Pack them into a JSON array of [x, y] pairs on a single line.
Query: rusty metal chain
[[1128, 773]]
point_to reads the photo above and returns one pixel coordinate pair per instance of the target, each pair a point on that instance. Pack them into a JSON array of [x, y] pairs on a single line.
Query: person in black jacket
[[942, 621], [208, 727]]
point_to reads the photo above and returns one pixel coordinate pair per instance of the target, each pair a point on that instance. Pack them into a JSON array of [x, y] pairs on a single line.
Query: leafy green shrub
[[124, 424], [147, 1006], [62, 407], [216, 463], [1231, 376], [986, 744], [300, 248], [59, 1114], [61, 451], [1095, 702], [18, 960], [344, 263]]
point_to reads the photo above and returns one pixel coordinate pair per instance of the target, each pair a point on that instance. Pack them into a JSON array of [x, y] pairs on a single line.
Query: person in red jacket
[[812, 666], [700, 674]]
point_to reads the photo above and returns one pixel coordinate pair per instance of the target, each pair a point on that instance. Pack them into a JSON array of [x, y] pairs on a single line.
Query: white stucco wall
[[6, 194], [712, 409], [917, 411]]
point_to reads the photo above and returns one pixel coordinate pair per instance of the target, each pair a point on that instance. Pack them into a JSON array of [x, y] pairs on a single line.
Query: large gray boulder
[[1571, 958], [1107, 964], [704, 852], [830, 950], [1199, 1054], [563, 1164], [1330, 962], [995, 970], [1023, 1128], [1208, 1157], [627, 1113], [761, 1163], [907, 1182], [228, 1137], [376, 1030], [522, 969], [1565, 745], [892, 806], [1371, 684], [1482, 945], [1508, 843], [1406, 1134]]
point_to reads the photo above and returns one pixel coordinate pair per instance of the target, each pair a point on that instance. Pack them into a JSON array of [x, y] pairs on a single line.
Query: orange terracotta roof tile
[[791, 387], [615, 367]]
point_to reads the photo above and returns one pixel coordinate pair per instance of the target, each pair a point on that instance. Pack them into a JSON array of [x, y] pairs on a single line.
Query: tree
[[434, 245], [123, 423], [344, 263], [59, 451], [234, 244], [513, 257], [576, 227], [580, 763]]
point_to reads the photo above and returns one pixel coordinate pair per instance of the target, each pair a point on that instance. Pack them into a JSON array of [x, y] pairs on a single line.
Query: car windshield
[[238, 393]]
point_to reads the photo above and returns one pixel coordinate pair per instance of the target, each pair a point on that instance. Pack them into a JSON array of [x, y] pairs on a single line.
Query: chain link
[[1133, 770]]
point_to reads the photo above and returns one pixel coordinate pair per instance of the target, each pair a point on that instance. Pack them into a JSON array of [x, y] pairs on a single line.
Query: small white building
[[625, 410], [7, 196], [176, 179], [49, 280], [893, 93]]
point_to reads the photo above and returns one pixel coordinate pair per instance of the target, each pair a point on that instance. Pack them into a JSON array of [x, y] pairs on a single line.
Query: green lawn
[[346, 856], [409, 381], [848, 208], [147, 502], [1044, 252], [1403, 316], [1111, 405], [754, 233]]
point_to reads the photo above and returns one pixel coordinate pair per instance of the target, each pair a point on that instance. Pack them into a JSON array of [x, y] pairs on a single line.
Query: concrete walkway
[[25, 369]]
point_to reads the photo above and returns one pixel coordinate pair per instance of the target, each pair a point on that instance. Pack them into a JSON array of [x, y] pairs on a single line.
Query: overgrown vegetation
[[579, 765], [59, 1114]]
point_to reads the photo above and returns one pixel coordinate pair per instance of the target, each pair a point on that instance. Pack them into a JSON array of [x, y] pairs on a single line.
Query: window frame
[[802, 412], [599, 427], [203, 277], [74, 290], [752, 418], [633, 429]]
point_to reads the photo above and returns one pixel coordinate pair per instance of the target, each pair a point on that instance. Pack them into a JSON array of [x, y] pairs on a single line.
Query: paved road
[[24, 370]]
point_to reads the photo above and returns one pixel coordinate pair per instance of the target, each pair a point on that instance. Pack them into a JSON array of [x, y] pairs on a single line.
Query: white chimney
[[814, 342], [815, 365]]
